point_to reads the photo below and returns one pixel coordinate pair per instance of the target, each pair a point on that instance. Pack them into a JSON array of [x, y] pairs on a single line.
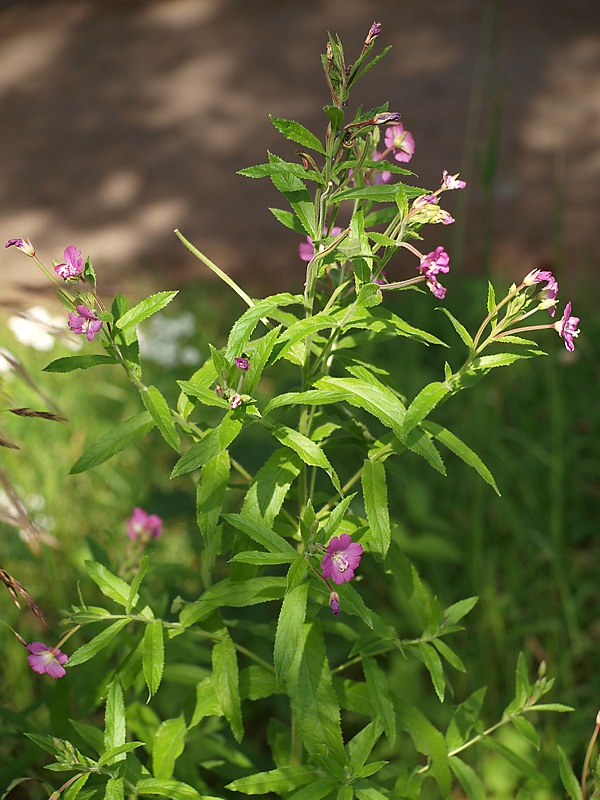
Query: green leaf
[[109, 584], [210, 494], [212, 444], [459, 328], [260, 355], [519, 763], [236, 594], [302, 328], [382, 321], [91, 648], [114, 718], [369, 395], [154, 657], [259, 558], [359, 748], [113, 754], [270, 486], [474, 788], [284, 779], [115, 789], [295, 192], [226, 681], [422, 405], [434, 666], [449, 654], [260, 533], [144, 309], [376, 504], [288, 219], [429, 741], [245, 325], [336, 517], [460, 449], [567, 776], [133, 596], [288, 636], [527, 731], [314, 703], [297, 133], [118, 439], [309, 451], [381, 697], [74, 789], [70, 363], [174, 790], [161, 414], [457, 611], [167, 745]]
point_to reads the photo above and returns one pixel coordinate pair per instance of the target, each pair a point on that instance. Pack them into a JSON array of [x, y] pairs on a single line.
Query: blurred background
[[124, 119]]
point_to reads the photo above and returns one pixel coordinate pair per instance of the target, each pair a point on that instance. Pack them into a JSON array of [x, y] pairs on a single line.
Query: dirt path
[[122, 120]]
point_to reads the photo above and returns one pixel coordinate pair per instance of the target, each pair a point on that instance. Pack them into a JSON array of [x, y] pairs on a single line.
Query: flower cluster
[[234, 396]]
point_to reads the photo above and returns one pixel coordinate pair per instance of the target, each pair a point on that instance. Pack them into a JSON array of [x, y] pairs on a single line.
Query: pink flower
[[567, 328], [47, 660], [21, 244], [143, 526], [451, 182], [83, 320], [72, 265], [306, 250], [341, 559], [400, 141], [433, 263]]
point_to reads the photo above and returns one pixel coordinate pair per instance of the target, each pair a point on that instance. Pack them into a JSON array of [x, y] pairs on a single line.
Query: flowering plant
[[308, 533]]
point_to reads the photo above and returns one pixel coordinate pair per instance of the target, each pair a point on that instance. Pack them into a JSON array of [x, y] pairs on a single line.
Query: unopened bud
[[22, 244], [334, 602], [385, 117], [598, 718], [219, 390], [373, 33], [242, 363], [235, 400]]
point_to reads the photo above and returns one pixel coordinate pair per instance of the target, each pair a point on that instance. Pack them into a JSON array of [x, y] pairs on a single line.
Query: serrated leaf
[[115, 789], [458, 610], [270, 486], [288, 219], [160, 412], [91, 648], [527, 731], [519, 763], [376, 504], [259, 558], [173, 790], [211, 445], [284, 779], [459, 328], [309, 451], [468, 778], [359, 748], [109, 584], [114, 718], [381, 697], [295, 192], [235, 594], [297, 133], [336, 517], [460, 449], [85, 361], [567, 776], [133, 596], [113, 754], [434, 666], [448, 654], [226, 680], [422, 405], [260, 533], [144, 309], [429, 741], [74, 789], [154, 657], [119, 438], [313, 700], [167, 745], [288, 636], [243, 328]]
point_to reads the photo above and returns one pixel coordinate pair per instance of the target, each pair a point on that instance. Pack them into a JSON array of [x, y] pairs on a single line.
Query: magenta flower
[[567, 328], [72, 265], [242, 363], [373, 33], [306, 250], [143, 526], [47, 660], [382, 177], [21, 244], [400, 141], [451, 181], [433, 263], [341, 559], [83, 320]]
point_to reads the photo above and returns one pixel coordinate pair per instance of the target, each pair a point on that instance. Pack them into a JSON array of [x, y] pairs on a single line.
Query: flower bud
[[334, 603], [22, 244], [242, 363], [235, 400]]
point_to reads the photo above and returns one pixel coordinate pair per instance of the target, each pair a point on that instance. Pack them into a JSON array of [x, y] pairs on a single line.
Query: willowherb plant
[[286, 545]]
